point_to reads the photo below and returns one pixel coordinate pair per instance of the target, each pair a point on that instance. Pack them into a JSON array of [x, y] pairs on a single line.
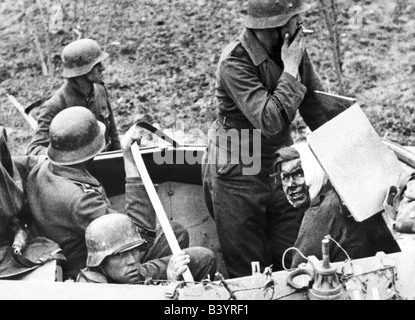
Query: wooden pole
[[403, 154], [158, 207], [29, 119]]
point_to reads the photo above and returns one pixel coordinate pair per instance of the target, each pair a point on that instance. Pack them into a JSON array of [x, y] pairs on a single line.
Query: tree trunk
[[331, 24]]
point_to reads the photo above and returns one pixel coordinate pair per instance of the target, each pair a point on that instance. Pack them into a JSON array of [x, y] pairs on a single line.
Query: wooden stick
[[158, 207], [29, 119], [404, 155]]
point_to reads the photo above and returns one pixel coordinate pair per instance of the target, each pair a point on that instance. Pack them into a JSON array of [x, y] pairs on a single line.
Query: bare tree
[[48, 47], [28, 9], [330, 17], [41, 24], [114, 9], [45, 18]]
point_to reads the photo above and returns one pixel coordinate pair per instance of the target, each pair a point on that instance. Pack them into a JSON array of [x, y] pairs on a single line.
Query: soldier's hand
[[292, 54], [132, 135], [177, 266]]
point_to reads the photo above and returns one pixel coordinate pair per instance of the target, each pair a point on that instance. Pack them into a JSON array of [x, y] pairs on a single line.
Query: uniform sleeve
[[311, 109], [40, 141], [140, 209], [271, 112], [25, 164], [12, 196], [88, 276], [88, 207], [115, 139], [113, 131], [5, 157], [155, 269]]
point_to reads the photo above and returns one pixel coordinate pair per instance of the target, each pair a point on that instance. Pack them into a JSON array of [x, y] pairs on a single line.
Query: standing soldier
[[263, 78], [82, 68]]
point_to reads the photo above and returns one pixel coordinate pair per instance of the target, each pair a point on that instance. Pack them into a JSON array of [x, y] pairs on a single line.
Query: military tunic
[[71, 95], [65, 200], [253, 93], [12, 197]]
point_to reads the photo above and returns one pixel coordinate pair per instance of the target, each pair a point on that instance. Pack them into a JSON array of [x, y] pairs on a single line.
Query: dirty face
[[96, 74], [123, 267], [293, 183]]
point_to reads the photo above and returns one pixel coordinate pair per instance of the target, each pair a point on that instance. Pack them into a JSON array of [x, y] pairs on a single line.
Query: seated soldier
[[83, 72], [12, 196], [19, 253], [114, 246], [306, 185], [65, 198]]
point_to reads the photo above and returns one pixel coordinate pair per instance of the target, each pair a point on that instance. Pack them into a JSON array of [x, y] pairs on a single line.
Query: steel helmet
[[108, 235], [265, 14], [75, 136], [80, 56]]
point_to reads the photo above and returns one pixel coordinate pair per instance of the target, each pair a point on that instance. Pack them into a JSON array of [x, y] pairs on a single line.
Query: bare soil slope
[[164, 55]]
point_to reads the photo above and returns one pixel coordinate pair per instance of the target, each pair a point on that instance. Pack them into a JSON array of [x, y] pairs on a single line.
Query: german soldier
[[65, 198], [82, 67], [115, 255], [263, 78]]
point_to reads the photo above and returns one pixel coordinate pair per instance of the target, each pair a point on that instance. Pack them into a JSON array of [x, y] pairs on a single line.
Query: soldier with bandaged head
[[306, 185]]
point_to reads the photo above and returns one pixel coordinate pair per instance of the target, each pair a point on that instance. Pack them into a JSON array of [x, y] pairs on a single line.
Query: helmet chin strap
[[281, 36], [82, 82], [277, 54], [89, 81]]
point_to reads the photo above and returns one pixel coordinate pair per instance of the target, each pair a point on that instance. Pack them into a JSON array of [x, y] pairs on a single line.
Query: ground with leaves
[[163, 56]]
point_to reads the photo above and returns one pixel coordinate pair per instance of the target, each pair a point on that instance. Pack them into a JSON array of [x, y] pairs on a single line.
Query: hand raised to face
[[292, 53]]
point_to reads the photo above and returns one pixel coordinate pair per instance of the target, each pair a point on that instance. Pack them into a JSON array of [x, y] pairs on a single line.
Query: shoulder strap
[[85, 187]]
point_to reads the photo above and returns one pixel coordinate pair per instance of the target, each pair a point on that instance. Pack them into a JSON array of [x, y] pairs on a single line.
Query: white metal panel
[[360, 167]]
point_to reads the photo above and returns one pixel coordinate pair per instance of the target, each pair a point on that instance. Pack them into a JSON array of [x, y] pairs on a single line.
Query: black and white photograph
[[207, 153]]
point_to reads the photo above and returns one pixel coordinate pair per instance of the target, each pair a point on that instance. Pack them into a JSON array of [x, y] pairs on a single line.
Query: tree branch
[[36, 41], [48, 41], [109, 24], [330, 24]]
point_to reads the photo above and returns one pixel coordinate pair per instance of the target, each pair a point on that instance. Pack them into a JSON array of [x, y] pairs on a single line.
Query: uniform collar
[[327, 189], [74, 174], [77, 90], [93, 275], [255, 50]]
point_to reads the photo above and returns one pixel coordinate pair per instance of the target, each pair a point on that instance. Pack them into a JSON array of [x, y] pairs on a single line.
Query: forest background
[[164, 53]]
